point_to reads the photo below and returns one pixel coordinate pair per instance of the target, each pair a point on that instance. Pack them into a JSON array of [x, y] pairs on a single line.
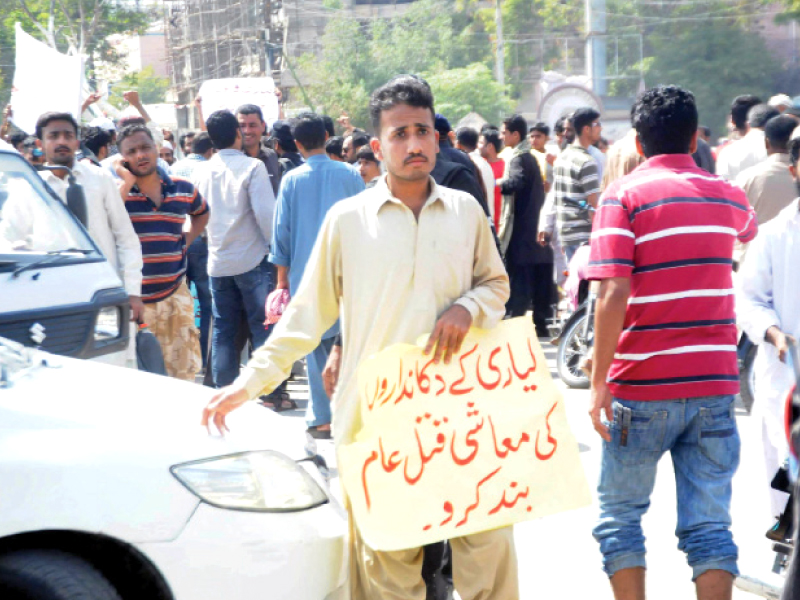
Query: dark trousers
[[197, 273], [531, 287]]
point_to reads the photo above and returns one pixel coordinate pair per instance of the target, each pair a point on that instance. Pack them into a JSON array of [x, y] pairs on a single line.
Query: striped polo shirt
[[670, 227], [575, 177], [160, 231]]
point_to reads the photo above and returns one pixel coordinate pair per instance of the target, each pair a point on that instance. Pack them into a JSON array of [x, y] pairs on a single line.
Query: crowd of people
[[417, 228]]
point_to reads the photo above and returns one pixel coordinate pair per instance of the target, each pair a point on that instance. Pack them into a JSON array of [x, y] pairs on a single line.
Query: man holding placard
[[400, 260]]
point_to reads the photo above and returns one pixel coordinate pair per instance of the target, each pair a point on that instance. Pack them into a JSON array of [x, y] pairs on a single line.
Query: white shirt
[[487, 175], [741, 154], [109, 223], [769, 293], [241, 206]]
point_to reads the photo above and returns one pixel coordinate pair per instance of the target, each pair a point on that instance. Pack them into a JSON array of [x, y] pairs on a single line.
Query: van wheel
[[51, 575]]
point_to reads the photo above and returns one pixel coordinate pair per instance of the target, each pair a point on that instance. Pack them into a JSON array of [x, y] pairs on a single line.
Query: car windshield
[[31, 220]]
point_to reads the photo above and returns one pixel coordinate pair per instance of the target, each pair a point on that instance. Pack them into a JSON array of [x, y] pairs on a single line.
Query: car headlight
[[264, 481], [107, 325]]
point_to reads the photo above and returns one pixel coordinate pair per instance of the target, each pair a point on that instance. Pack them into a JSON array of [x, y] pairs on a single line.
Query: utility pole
[[500, 58], [596, 45]]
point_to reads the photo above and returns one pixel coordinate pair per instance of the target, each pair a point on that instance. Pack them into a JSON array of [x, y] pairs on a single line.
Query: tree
[[152, 89], [461, 91]]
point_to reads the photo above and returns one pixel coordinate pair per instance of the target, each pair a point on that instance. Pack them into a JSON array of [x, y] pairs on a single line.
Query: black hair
[[49, 117], [222, 127], [404, 89], [583, 117], [126, 121], [95, 138], [15, 139], [334, 146], [778, 131], [467, 137], [758, 115], [201, 143], [559, 127], [492, 136], [309, 129], [329, 127], [516, 123], [29, 142], [541, 127], [366, 153], [740, 106], [185, 136], [360, 139], [250, 109], [665, 119], [131, 130], [794, 150], [705, 129]]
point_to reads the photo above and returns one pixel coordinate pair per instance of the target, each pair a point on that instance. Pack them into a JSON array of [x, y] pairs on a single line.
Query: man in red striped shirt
[[665, 369]]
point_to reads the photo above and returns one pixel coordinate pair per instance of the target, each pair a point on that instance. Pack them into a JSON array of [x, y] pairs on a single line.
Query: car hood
[[114, 409]]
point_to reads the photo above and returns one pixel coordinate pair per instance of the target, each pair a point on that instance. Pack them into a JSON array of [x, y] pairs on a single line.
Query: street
[[559, 559]]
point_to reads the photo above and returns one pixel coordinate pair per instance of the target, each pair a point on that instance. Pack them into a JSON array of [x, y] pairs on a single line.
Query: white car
[[110, 489]]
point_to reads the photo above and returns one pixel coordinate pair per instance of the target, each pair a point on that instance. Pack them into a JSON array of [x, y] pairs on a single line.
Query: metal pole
[[500, 63]]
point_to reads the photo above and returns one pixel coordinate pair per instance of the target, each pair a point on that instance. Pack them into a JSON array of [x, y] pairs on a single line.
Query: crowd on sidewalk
[[311, 238]]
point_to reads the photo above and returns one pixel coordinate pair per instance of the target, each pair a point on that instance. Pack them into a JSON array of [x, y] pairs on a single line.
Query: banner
[[231, 93], [44, 80], [449, 450]]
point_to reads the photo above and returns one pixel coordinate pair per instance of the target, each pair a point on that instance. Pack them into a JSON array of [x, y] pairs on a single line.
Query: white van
[[57, 290]]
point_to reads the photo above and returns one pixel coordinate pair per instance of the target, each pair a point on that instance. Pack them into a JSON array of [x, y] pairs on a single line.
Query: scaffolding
[[213, 39]]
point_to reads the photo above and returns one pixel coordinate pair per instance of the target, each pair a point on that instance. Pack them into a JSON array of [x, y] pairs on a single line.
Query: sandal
[[279, 402]]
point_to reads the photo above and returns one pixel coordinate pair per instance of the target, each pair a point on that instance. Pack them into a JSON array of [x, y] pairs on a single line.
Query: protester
[[185, 141], [17, 140], [200, 151], [734, 156], [559, 131], [446, 149], [489, 146], [333, 148], [158, 205], [167, 152], [368, 166], [108, 222], [768, 309], [467, 142], [769, 185], [529, 265], [703, 156], [349, 263], [251, 121], [31, 149], [623, 158], [538, 135], [307, 195], [284, 145], [352, 143], [665, 369], [576, 181], [96, 142], [781, 102], [240, 200]]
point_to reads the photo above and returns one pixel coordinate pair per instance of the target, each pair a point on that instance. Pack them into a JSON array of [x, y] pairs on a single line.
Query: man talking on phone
[[158, 206]]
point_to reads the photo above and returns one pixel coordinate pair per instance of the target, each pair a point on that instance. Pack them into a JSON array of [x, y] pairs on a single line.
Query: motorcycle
[[577, 333]]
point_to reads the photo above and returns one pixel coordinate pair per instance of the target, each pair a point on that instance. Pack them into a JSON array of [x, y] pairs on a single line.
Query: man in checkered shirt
[[576, 182]]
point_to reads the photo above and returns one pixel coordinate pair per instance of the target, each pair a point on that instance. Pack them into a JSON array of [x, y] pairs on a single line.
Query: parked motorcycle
[[577, 333]]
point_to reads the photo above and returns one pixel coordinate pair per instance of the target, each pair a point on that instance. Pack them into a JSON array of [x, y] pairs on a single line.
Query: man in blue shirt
[[306, 194]]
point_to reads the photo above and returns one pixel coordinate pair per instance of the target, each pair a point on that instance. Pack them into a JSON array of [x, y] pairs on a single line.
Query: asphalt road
[[559, 559]]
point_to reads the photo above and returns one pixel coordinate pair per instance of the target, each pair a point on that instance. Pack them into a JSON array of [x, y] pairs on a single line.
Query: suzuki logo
[[37, 333]]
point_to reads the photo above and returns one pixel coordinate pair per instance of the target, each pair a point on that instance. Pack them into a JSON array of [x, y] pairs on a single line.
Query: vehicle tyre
[[571, 350], [51, 575], [747, 378]]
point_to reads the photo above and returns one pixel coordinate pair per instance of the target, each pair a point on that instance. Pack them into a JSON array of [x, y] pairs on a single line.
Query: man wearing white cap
[[781, 102], [167, 153]]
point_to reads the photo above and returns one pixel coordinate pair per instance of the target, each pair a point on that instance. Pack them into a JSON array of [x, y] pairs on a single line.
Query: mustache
[[415, 157], [60, 148]]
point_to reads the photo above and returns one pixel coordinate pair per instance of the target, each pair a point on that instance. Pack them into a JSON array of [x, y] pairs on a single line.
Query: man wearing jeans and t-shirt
[[665, 369]]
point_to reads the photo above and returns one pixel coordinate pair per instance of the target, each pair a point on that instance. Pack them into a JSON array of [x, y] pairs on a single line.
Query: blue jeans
[[701, 436], [231, 296], [197, 273], [318, 411]]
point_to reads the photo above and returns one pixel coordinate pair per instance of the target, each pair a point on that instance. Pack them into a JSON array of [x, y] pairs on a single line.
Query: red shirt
[[497, 169], [670, 227]]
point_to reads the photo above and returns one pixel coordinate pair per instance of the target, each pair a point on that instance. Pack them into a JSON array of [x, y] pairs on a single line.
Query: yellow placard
[[449, 450]]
